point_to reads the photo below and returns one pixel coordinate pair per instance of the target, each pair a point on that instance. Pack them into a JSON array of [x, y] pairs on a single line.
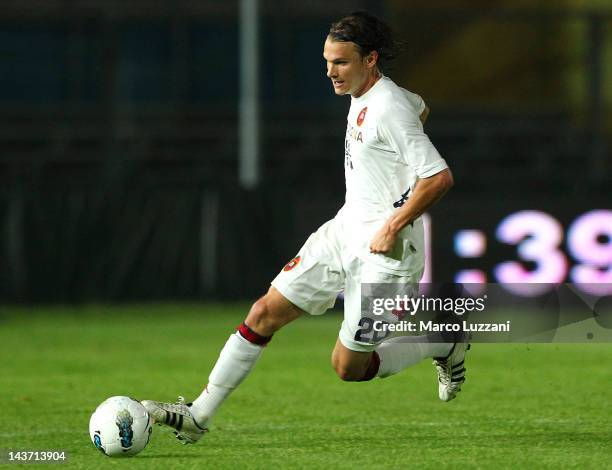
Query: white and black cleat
[[451, 370], [178, 416]]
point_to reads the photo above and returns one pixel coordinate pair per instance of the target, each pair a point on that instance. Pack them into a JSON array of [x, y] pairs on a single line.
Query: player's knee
[[259, 314], [262, 318], [348, 374]]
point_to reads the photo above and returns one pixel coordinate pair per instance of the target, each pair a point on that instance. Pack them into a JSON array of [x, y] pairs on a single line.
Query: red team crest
[[361, 116], [292, 264]]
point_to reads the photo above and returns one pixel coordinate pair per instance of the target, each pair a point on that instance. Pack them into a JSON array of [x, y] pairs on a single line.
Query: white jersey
[[386, 151]]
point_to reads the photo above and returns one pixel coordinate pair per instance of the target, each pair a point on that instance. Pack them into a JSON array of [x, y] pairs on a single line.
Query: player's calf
[[354, 366]]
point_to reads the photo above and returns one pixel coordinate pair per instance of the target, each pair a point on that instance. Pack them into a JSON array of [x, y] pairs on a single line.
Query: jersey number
[[367, 334]]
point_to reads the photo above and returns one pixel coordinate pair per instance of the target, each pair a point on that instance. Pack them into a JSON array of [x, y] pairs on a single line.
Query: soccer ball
[[120, 427]]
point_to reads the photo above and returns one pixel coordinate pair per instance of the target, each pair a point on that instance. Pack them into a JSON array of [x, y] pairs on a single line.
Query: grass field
[[523, 406]]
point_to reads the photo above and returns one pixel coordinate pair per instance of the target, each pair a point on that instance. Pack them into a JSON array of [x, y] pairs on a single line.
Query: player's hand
[[383, 241]]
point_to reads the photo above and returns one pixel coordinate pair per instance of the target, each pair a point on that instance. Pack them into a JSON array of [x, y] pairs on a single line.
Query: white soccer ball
[[120, 427]]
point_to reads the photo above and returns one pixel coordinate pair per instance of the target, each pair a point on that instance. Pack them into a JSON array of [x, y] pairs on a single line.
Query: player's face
[[349, 71]]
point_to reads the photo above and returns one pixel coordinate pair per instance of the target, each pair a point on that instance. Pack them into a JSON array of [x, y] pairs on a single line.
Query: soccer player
[[393, 175]]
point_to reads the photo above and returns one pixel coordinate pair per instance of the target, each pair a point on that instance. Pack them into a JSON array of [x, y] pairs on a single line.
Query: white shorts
[[322, 269]]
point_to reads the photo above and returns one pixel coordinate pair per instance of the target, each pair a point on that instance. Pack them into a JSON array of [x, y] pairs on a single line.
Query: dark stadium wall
[[146, 242], [524, 55]]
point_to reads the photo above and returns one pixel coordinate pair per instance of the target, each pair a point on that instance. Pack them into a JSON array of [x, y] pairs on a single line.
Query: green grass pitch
[[523, 406]]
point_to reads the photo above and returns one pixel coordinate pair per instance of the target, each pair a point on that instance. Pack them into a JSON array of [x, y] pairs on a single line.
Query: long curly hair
[[369, 34]]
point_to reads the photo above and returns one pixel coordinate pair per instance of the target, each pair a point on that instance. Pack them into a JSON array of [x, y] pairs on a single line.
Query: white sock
[[398, 353], [236, 360]]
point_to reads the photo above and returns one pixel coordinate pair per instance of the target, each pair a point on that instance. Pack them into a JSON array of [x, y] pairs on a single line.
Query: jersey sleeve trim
[[434, 169]]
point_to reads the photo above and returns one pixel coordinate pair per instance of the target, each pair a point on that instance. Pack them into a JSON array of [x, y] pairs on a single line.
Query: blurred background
[[185, 149]]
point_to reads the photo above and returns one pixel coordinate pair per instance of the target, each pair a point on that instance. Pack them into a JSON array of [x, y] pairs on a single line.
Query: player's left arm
[[424, 114], [426, 193], [402, 128]]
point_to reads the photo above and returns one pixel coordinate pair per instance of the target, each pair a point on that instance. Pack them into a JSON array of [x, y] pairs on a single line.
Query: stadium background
[[119, 136]]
